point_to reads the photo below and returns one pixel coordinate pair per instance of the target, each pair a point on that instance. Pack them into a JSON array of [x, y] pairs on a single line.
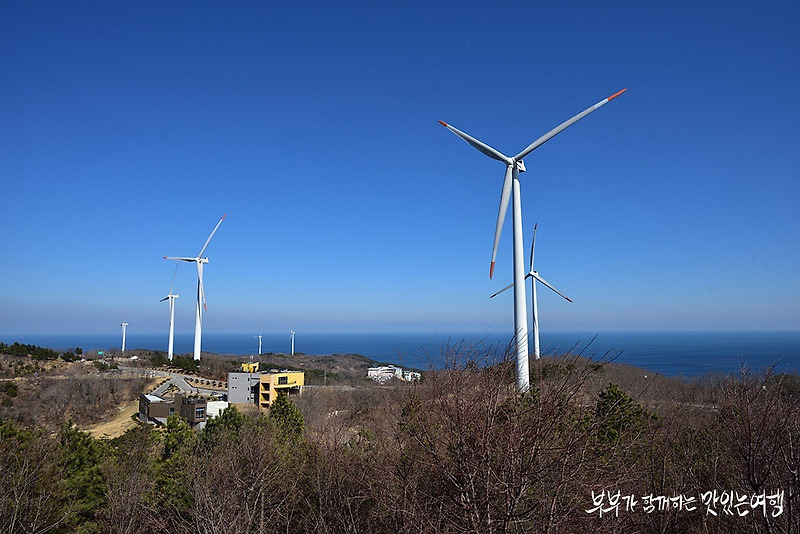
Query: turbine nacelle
[[188, 260]]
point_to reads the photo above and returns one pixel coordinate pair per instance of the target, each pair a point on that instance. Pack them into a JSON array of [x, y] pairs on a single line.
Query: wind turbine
[[292, 333], [259, 336], [534, 276], [171, 299], [124, 326], [201, 296], [514, 165]]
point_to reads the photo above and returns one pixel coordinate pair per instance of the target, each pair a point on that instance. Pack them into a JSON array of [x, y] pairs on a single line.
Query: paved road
[[176, 379]]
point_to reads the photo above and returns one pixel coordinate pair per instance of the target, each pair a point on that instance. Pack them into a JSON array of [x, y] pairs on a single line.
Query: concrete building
[[289, 382], [243, 388], [262, 389], [387, 372], [411, 376], [156, 410], [215, 408], [384, 373]]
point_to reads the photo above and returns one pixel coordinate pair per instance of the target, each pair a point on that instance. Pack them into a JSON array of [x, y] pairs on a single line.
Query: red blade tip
[[491, 270], [443, 123], [223, 216], [615, 95], [165, 257]]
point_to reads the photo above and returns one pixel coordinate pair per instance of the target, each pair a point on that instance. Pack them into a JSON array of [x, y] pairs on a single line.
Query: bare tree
[[30, 502]]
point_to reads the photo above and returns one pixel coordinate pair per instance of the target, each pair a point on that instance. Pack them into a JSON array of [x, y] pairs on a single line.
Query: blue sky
[[129, 128]]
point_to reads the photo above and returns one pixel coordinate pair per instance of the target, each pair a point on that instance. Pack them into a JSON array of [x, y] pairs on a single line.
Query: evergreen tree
[[286, 416], [229, 422], [617, 412], [80, 457]]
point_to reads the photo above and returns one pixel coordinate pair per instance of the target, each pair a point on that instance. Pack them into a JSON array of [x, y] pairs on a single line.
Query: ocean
[[668, 353]]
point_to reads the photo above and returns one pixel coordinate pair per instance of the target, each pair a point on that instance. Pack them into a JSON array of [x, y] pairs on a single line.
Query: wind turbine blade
[[564, 125], [508, 286], [501, 215], [172, 285], [483, 147], [179, 259], [533, 244], [165, 298], [200, 282], [212, 235], [542, 280]]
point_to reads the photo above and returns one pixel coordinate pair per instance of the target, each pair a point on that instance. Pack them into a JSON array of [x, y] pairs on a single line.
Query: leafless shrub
[[48, 402], [130, 483], [245, 483], [30, 501]]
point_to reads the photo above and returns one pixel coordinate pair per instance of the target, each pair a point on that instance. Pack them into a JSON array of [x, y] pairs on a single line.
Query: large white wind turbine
[[534, 276], [514, 165], [171, 297], [292, 337], [259, 336], [201, 296], [124, 326]]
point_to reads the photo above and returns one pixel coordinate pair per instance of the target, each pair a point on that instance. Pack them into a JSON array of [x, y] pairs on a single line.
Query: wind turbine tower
[[171, 297], [201, 296], [534, 276], [259, 336], [292, 338], [124, 326], [514, 166]]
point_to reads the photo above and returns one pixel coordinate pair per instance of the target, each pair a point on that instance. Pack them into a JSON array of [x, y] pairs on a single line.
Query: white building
[[215, 408], [387, 372], [411, 376]]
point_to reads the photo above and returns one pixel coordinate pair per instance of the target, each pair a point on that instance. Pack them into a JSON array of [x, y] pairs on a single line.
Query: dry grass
[[117, 426]]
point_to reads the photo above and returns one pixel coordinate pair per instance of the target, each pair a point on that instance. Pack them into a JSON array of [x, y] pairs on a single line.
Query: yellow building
[[270, 384], [251, 367]]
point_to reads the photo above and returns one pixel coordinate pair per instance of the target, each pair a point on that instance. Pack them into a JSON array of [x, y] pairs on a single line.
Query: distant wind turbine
[[259, 336], [171, 299], [292, 338], [201, 296], [124, 326], [534, 276], [515, 165]]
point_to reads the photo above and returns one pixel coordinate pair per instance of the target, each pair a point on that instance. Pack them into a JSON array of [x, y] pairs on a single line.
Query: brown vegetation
[[460, 451], [49, 393]]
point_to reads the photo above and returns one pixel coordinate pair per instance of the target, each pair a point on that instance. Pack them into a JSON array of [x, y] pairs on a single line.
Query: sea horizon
[[672, 353]]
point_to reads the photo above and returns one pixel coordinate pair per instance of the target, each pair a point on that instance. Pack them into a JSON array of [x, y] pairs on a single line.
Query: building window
[[199, 413], [172, 411], [282, 380]]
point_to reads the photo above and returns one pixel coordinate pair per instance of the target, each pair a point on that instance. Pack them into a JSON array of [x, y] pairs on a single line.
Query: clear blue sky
[[128, 128]]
